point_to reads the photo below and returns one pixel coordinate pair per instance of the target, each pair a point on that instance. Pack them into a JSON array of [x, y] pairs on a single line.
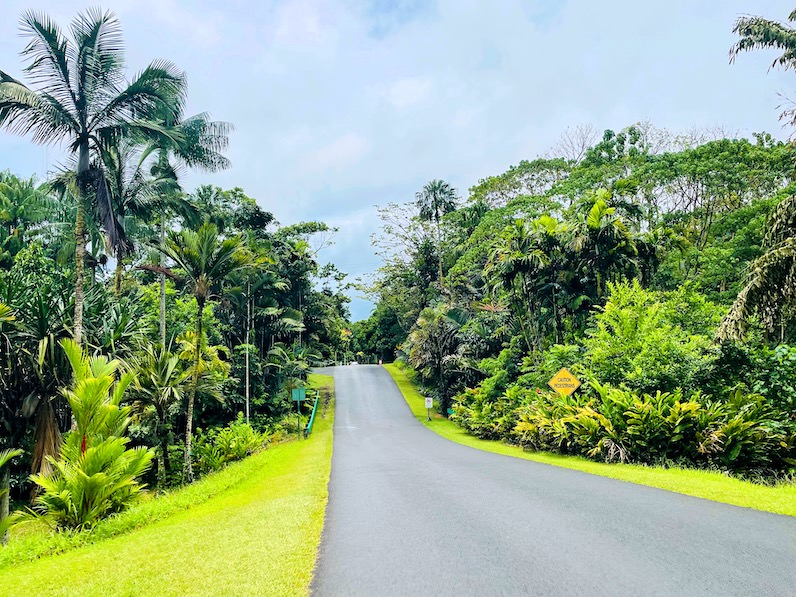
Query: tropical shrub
[[744, 434], [488, 410], [775, 376], [216, 447], [96, 473], [638, 341]]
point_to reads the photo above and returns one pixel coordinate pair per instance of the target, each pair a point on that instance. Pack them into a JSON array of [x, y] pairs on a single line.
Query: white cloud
[[340, 154], [408, 92], [299, 23], [201, 28]]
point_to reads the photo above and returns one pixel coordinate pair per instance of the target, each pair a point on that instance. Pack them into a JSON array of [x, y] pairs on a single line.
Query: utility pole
[[248, 328]]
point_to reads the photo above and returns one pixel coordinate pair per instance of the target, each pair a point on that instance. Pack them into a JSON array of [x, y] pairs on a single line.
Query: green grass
[[779, 499], [250, 529]]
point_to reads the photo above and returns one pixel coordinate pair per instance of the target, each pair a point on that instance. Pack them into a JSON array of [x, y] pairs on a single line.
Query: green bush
[[637, 340], [96, 473], [656, 390], [216, 447], [775, 376], [488, 411], [744, 434]]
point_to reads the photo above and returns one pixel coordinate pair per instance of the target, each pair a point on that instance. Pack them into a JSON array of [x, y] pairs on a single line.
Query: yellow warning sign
[[564, 382]]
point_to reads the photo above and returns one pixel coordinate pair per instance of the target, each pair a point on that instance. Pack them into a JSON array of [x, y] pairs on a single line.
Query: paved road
[[411, 514]]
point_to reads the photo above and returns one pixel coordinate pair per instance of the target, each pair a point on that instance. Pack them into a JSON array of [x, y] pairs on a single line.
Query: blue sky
[[340, 106]]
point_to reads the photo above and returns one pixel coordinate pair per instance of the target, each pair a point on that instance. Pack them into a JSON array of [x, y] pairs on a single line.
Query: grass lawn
[[780, 499], [251, 529]]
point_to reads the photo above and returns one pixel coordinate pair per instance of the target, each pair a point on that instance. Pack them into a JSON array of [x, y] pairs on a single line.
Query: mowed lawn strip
[[779, 499], [260, 537]]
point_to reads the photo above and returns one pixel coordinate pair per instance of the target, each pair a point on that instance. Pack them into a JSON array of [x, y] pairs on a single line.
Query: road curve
[[411, 514]]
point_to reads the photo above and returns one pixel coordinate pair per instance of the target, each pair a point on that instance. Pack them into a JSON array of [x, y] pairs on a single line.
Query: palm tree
[[206, 261], [198, 143], [771, 281], [770, 285], [80, 96], [757, 33], [96, 473], [522, 262], [435, 200], [23, 205], [433, 342], [134, 192], [606, 248], [158, 390], [293, 363]]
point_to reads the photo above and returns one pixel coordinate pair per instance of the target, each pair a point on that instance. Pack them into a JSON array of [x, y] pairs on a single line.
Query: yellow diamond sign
[[564, 382]]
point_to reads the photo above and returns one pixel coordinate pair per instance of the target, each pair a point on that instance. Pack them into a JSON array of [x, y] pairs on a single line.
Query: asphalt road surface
[[411, 514]]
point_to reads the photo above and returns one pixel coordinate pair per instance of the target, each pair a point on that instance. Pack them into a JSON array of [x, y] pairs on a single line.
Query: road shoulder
[[709, 485]]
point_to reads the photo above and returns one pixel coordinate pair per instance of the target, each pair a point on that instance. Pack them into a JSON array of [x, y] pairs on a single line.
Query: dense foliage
[[132, 311], [657, 267]]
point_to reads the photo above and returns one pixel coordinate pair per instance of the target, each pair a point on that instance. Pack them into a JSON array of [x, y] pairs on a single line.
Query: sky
[[341, 106]]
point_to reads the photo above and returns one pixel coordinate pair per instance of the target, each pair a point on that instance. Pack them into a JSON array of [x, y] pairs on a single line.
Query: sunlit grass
[[779, 499], [251, 529]]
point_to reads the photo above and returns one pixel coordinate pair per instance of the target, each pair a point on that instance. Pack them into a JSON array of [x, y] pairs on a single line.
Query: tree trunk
[[248, 327], [80, 259], [439, 256], [80, 240], [163, 460], [46, 438], [187, 471], [162, 277], [5, 478], [117, 279], [555, 316]]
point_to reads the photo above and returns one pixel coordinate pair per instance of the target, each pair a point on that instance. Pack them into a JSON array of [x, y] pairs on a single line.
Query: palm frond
[[204, 140], [770, 288], [759, 33], [7, 455], [98, 66], [159, 88], [24, 111], [49, 52], [114, 231]]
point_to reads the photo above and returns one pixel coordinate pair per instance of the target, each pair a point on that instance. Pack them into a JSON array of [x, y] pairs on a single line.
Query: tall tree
[[134, 192], [207, 260], [79, 95], [198, 143], [770, 288], [435, 200]]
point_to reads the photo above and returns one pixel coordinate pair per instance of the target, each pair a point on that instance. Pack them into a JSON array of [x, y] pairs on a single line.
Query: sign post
[[429, 406], [299, 395], [564, 382]]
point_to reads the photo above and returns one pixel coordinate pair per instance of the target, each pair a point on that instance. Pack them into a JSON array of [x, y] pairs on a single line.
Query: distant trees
[[616, 257]]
